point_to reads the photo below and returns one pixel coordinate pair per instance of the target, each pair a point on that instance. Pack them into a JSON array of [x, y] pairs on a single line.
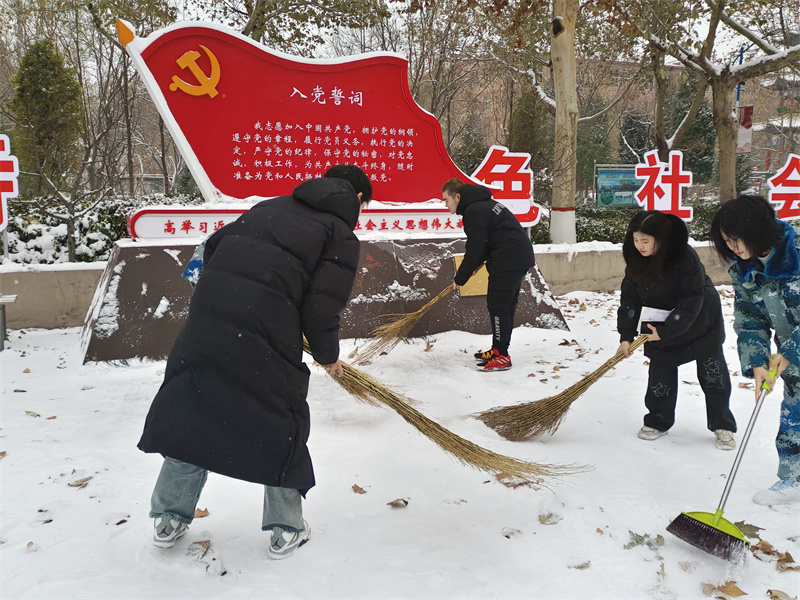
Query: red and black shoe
[[498, 362], [485, 356]]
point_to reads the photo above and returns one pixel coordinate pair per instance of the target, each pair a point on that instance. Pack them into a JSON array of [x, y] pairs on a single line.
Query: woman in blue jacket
[[765, 271]]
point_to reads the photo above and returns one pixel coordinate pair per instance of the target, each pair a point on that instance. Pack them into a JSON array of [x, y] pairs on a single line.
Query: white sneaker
[[781, 492], [282, 543], [724, 439], [649, 433], [167, 531]]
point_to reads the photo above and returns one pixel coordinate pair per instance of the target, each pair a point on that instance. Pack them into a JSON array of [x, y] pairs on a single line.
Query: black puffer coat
[[695, 327], [494, 235], [233, 398]]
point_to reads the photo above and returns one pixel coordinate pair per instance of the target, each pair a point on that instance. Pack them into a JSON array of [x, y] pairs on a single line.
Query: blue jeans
[[178, 488]]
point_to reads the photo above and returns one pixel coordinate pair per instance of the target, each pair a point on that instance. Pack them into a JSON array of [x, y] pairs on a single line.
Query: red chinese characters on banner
[[9, 171], [784, 189], [509, 173], [662, 189]]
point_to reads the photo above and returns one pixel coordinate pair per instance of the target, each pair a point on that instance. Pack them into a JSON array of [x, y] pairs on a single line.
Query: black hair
[[453, 186], [661, 227], [750, 219], [355, 177]]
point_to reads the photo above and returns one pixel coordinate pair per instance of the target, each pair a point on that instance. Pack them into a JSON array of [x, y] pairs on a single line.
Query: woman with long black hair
[[664, 272]]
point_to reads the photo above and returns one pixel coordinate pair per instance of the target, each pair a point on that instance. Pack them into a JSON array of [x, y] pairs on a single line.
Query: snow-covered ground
[[463, 534]]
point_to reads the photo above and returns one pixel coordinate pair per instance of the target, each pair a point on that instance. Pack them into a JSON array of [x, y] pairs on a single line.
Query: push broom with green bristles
[[710, 531]]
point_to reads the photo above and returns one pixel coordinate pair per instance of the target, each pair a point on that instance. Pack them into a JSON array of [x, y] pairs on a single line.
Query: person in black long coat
[[233, 400], [664, 272], [494, 236]]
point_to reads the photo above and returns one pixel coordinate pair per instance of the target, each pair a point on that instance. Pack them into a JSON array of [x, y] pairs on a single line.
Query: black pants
[[662, 392], [501, 300]]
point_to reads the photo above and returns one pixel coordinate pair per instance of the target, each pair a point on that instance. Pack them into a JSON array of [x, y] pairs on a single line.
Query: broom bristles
[[543, 417], [707, 538], [387, 336], [366, 389]]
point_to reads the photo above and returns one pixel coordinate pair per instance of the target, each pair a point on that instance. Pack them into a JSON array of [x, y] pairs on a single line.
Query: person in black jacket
[[494, 236], [233, 400], [663, 272]]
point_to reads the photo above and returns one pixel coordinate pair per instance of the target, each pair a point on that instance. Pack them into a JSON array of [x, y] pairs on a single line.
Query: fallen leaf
[[19, 391], [549, 519], [600, 531], [199, 549], [26, 370], [710, 590], [80, 483], [3, 454], [512, 482], [730, 588], [358, 489], [121, 521], [199, 513], [30, 413], [764, 551], [51, 418], [399, 503], [786, 563], [581, 566], [644, 540], [749, 531], [779, 595], [428, 346], [582, 308]]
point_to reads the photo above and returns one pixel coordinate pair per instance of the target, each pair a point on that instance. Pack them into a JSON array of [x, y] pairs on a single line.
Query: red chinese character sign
[[510, 173], [784, 189], [664, 183], [9, 171], [253, 122]]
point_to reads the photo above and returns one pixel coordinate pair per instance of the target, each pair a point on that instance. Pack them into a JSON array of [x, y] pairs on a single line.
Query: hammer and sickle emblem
[[207, 83]]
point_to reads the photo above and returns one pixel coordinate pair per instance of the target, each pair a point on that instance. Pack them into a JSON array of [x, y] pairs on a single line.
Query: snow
[[598, 534]]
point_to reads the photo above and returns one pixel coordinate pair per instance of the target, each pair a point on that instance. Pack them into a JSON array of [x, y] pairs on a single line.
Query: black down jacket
[[233, 398], [695, 327], [494, 235]]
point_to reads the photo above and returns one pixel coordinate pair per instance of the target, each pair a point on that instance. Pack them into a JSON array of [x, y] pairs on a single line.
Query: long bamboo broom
[[543, 417], [387, 336], [366, 389]]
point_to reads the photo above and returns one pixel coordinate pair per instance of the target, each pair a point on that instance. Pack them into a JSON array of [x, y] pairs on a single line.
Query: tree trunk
[[562, 53], [71, 253], [164, 174], [726, 127], [661, 84], [128, 128]]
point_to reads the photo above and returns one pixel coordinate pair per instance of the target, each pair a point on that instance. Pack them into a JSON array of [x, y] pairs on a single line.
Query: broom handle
[[765, 389]]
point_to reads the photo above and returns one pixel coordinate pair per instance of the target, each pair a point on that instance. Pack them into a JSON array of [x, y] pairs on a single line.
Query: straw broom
[[387, 336], [543, 417], [366, 389]]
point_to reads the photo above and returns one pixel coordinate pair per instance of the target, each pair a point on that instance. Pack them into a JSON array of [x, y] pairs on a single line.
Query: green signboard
[[615, 185]]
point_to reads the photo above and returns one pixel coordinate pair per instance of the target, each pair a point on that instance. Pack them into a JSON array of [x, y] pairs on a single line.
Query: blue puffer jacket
[[768, 299]]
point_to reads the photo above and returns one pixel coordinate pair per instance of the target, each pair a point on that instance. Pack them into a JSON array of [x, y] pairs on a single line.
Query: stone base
[[142, 301]]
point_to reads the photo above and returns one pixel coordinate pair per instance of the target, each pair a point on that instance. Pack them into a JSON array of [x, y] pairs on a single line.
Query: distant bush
[[610, 224]]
